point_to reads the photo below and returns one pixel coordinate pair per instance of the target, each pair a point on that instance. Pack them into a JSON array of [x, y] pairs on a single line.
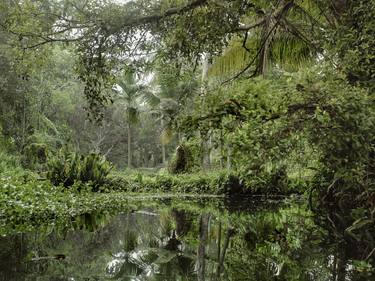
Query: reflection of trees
[[176, 244], [203, 237], [350, 246], [222, 253], [12, 253], [288, 245], [183, 221]]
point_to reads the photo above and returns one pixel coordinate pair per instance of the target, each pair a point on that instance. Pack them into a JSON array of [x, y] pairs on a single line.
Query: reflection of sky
[[135, 257]]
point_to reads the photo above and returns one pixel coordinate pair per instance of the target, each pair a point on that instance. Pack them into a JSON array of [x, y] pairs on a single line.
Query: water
[[188, 239]]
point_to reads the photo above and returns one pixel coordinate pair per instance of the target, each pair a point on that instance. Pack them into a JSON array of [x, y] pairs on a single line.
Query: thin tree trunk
[[24, 123], [129, 147], [163, 154], [221, 150], [179, 138], [229, 157], [205, 145], [340, 267], [210, 150]]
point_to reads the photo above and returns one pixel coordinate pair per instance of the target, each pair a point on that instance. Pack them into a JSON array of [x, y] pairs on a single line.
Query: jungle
[[187, 140]]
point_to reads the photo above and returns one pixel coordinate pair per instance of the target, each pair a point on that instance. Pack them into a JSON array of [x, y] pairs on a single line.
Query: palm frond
[[151, 99], [281, 38], [234, 58]]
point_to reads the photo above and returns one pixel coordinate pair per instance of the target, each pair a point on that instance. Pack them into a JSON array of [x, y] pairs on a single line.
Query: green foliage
[[342, 129], [292, 127], [8, 162], [218, 183], [34, 154], [268, 182], [279, 132], [94, 169], [27, 203], [352, 41], [67, 168]]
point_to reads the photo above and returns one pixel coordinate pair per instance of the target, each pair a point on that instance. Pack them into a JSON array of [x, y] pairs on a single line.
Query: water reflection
[[182, 240]]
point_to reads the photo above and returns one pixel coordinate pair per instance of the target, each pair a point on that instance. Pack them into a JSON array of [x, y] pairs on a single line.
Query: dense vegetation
[[203, 96]]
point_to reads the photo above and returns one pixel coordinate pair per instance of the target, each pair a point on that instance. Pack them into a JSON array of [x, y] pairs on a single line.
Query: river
[[200, 239]]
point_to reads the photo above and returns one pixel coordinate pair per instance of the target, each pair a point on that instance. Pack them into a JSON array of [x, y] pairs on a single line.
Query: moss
[[180, 162]]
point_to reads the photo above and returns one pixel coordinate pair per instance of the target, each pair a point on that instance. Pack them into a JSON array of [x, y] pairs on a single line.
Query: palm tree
[[168, 99], [130, 92], [278, 32], [165, 108]]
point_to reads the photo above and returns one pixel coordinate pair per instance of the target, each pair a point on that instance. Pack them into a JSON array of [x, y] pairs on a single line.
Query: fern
[[67, 168]]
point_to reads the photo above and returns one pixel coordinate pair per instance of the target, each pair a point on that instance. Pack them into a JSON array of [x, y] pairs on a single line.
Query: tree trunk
[[24, 123], [205, 145], [205, 148], [129, 147], [179, 138], [221, 150], [163, 154], [229, 157]]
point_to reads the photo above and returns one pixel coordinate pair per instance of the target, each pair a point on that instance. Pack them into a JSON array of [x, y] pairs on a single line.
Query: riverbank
[[216, 183], [27, 200]]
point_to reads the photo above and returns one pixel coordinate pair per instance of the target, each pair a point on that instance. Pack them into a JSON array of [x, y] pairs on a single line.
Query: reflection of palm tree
[[203, 238], [129, 93], [221, 254], [183, 221]]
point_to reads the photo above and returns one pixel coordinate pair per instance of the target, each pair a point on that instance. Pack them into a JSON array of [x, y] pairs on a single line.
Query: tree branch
[[169, 12], [278, 16], [247, 27]]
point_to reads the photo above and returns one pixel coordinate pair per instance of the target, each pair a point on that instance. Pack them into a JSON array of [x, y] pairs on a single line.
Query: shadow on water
[[204, 239]]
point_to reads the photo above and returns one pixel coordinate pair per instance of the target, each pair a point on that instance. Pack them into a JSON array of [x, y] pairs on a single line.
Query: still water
[[187, 239]]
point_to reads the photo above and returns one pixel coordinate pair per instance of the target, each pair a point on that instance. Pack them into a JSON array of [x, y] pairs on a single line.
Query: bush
[[66, 168], [218, 183], [35, 155], [8, 162], [268, 182]]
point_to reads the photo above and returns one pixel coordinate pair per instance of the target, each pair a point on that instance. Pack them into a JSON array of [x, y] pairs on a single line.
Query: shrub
[[273, 182], [8, 162], [66, 168], [218, 183], [36, 154]]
